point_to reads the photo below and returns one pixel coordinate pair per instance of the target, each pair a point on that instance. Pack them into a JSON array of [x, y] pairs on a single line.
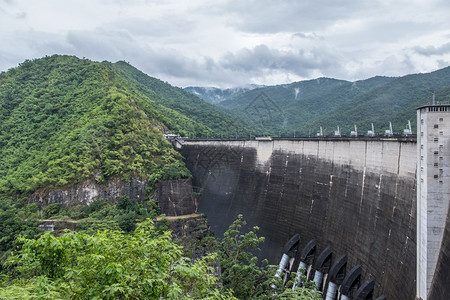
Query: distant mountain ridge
[[301, 108]]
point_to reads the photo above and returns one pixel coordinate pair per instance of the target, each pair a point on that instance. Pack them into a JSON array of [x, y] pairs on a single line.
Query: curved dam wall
[[358, 196]]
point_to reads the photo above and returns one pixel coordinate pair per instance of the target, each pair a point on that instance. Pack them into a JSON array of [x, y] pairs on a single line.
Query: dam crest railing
[[401, 138]]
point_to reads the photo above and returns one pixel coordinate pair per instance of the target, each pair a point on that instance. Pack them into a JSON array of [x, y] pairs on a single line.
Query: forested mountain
[[302, 107], [394, 101], [64, 120]]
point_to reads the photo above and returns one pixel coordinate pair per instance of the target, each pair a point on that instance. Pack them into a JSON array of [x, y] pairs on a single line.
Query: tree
[[17, 218], [127, 222], [241, 270], [246, 276], [108, 265]]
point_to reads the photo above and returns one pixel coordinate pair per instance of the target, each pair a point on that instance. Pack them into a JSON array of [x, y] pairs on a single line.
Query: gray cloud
[[164, 27], [234, 42], [433, 50], [101, 43], [311, 36], [21, 15], [262, 58], [268, 16], [393, 65], [167, 64]]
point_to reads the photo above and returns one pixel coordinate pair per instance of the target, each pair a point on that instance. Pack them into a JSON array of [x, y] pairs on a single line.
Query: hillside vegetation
[[64, 120], [217, 121], [300, 108]]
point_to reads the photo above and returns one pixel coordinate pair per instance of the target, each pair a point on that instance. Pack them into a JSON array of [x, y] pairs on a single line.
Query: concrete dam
[[355, 196]]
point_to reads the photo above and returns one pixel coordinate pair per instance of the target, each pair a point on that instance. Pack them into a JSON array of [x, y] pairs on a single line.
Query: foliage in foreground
[[108, 265], [240, 269], [17, 218], [146, 263], [246, 276]]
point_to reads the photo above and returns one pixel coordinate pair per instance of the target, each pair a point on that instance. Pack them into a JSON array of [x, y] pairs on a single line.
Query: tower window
[[436, 140], [441, 119], [436, 152], [436, 176], [436, 164], [436, 126]]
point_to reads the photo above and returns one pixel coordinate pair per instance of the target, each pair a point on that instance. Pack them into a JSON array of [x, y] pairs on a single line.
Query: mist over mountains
[[215, 95]]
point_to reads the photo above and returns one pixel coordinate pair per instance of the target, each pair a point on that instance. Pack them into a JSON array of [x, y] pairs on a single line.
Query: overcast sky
[[230, 43]]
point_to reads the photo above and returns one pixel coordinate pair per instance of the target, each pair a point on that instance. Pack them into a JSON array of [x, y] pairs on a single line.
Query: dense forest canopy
[[64, 120]]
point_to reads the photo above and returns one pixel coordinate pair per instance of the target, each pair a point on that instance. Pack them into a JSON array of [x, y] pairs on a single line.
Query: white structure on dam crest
[[433, 190]]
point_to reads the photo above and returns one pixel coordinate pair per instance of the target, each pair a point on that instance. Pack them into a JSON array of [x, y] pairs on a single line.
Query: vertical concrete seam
[[334, 144], [363, 182], [273, 145], [303, 147], [399, 156], [365, 154], [318, 149], [362, 192]]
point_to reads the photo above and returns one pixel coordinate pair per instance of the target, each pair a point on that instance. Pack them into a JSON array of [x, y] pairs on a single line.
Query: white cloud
[[228, 43]]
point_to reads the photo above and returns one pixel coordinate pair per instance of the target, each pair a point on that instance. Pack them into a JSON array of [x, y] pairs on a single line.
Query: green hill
[[287, 109], [395, 101], [64, 120], [302, 107]]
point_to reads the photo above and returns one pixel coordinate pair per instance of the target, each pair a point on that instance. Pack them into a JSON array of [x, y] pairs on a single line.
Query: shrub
[[52, 209], [127, 222]]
